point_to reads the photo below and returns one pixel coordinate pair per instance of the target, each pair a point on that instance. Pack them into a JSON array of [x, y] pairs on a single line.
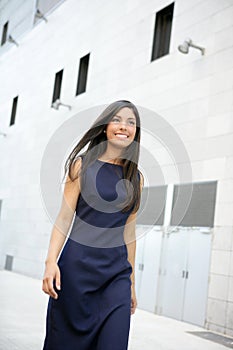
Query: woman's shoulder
[[76, 166], [79, 160]]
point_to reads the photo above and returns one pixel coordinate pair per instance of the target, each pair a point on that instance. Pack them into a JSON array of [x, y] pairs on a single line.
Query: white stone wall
[[192, 92]]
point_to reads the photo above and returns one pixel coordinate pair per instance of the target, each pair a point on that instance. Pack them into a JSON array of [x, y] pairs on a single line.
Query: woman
[[92, 285]]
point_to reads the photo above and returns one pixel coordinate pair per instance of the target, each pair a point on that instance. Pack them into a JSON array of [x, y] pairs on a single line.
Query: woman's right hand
[[52, 272]]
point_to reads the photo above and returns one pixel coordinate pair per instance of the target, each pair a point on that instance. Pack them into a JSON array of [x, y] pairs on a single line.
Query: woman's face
[[121, 129]]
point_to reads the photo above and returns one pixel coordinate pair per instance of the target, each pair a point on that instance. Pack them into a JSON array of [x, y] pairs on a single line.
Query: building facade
[[61, 58]]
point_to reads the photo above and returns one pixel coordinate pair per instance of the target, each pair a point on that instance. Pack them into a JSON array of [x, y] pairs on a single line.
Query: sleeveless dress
[[93, 308]]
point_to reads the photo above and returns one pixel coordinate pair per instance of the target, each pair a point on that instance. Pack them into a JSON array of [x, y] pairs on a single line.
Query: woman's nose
[[123, 125]]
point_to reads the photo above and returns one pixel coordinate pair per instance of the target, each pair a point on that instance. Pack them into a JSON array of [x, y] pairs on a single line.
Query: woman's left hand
[[133, 300]]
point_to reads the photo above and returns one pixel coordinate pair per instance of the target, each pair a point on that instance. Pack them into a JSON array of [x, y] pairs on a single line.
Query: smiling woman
[[92, 285], [121, 127], [105, 145]]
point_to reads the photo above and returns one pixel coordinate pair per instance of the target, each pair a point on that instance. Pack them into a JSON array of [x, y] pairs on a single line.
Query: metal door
[[172, 281], [198, 264], [148, 260], [184, 275]]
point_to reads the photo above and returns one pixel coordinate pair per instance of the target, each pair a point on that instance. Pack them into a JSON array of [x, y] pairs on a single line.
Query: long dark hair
[[96, 136]]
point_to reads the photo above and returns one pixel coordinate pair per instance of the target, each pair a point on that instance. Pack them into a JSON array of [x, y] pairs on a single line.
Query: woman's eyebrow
[[127, 118]]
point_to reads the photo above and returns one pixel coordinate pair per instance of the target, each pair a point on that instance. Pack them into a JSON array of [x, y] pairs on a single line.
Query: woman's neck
[[111, 155]]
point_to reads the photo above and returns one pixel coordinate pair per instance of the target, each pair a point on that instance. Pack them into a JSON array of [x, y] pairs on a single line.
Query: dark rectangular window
[[200, 210], [162, 32], [9, 262], [57, 86], [152, 206], [82, 74], [14, 109], [4, 33]]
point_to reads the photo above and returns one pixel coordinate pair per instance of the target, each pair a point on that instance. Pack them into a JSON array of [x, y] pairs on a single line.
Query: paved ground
[[22, 321]]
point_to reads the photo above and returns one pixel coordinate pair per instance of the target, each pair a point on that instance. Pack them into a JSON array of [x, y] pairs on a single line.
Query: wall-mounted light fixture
[[184, 48], [12, 40], [40, 15], [58, 103]]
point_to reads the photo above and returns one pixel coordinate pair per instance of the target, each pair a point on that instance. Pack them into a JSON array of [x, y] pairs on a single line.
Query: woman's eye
[[115, 120], [132, 122], [129, 122]]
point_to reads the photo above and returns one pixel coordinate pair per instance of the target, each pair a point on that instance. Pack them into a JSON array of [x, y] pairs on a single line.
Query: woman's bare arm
[[60, 231], [130, 236], [130, 240]]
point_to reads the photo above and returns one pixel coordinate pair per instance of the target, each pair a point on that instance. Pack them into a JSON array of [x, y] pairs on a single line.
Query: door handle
[[185, 274], [141, 267]]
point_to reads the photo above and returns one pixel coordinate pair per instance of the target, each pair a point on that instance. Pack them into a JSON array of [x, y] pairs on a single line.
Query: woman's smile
[[121, 136], [122, 126]]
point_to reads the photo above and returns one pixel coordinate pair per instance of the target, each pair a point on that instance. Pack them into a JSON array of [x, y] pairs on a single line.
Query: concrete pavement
[[23, 311]]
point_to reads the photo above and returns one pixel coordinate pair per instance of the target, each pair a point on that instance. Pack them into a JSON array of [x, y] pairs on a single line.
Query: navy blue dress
[[92, 311]]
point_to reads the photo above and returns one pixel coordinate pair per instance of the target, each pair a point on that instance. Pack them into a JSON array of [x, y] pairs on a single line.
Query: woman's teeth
[[121, 136]]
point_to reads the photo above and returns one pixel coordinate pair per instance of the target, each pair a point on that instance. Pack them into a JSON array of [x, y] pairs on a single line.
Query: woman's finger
[[48, 287], [133, 306], [51, 288], [58, 279], [44, 286]]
